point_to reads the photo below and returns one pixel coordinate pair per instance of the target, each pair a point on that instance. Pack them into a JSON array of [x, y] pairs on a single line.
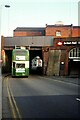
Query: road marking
[[15, 104], [78, 99], [12, 101]]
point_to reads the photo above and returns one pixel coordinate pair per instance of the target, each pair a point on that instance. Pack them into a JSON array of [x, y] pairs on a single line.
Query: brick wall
[[64, 60], [2, 42], [66, 31], [76, 32], [50, 30], [27, 33], [64, 63]]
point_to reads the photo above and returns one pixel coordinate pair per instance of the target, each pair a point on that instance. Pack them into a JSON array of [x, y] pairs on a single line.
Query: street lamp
[[7, 6]]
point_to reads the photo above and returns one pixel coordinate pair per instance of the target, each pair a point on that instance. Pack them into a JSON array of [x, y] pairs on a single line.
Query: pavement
[[6, 112], [0, 97], [74, 80]]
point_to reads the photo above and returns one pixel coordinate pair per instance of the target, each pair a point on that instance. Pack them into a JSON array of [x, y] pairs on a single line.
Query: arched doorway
[[74, 62]]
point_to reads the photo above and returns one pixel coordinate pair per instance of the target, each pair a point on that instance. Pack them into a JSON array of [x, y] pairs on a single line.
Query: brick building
[[66, 41], [57, 30], [29, 31], [61, 31], [62, 57]]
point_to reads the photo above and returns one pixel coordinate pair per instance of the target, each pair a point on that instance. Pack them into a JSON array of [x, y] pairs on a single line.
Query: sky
[[36, 13]]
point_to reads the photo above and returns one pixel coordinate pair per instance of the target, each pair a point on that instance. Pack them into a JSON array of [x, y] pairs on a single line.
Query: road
[[41, 97]]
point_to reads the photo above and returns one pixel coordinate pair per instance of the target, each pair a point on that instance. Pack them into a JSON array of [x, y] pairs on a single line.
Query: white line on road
[[78, 99]]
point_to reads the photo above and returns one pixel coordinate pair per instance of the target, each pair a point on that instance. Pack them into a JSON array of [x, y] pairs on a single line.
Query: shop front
[[70, 56]]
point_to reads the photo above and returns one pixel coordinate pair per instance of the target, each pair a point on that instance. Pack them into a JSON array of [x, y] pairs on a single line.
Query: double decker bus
[[20, 62]]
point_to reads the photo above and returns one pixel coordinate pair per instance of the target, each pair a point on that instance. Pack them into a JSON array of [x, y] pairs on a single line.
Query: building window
[[74, 53], [58, 33]]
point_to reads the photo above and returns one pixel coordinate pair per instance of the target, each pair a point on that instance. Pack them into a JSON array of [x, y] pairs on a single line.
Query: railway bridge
[[60, 56]]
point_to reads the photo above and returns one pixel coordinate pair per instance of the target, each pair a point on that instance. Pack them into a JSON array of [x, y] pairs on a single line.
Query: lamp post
[[7, 6]]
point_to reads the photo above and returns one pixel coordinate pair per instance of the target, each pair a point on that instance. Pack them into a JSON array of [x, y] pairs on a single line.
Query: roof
[[29, 29], [61, 25], [76, 26], [58, 25]]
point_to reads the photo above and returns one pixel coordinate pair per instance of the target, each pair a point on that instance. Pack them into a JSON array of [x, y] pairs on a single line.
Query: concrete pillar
[[54, 62]]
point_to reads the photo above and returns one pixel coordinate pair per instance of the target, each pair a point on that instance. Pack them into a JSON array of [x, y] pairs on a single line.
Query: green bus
[[20, 62]]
